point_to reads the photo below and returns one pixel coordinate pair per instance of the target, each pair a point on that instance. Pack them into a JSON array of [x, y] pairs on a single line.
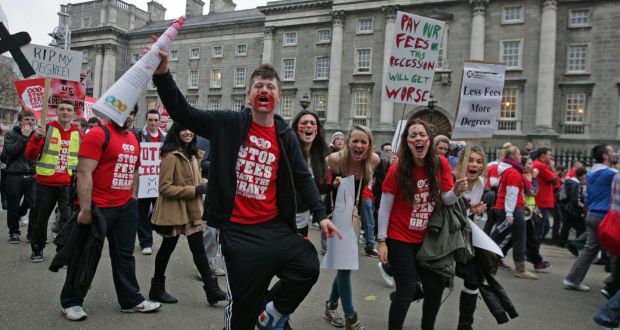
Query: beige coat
[[177, 203]]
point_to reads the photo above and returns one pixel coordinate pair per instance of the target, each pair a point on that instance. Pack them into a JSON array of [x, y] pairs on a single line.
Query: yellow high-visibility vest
[[46, 165]]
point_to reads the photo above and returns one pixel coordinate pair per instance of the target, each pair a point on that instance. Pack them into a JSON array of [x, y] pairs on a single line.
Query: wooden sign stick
[[46, 95], [466, 152]]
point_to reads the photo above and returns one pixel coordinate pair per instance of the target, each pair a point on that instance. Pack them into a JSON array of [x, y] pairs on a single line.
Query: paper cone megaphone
[[118, 101]]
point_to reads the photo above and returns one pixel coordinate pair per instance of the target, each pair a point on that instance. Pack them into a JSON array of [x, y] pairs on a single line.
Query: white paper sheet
[[483, 241], [342, 253]]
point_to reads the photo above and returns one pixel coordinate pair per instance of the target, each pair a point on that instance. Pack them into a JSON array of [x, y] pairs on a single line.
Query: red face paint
[[264, 101]]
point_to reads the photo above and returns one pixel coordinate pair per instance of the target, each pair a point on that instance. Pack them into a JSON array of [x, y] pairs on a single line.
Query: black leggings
[[406, 272], [198, 252]]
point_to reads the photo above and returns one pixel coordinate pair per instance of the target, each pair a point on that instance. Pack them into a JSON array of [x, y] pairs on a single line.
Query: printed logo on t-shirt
[[422, 207], [124, 168], [254, 168], [63, 157]]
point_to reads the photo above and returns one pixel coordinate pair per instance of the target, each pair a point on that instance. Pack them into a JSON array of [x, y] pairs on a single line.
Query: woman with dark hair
[[178, 211], [358, 159], [311, 138], [418, 183]]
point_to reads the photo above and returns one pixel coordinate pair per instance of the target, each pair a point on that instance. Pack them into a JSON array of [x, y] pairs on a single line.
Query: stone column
[[546, 67], [618, 111], [268, 45], [109, 67], [98, 69], [335, 72], [478, 11], [386, 119]]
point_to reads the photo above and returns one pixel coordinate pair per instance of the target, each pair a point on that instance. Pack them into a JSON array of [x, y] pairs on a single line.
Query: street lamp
[[63, 31], [305, 101]]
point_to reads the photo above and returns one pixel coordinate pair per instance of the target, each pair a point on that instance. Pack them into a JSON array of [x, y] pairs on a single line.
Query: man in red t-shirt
[[150, 133], [256, 167], [545, 198], [55, 149], [107, 178]]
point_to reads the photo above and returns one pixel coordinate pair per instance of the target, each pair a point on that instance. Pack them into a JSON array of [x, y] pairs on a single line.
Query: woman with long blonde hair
[[358, 159]]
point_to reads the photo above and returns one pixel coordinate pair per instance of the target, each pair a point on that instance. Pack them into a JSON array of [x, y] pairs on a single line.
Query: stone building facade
[[562, 87]]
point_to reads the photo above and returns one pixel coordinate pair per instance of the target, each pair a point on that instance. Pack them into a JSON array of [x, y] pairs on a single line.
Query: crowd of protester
[[265, 184]]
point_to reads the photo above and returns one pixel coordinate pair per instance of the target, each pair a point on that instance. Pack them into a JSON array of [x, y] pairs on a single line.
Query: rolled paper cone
[[118, 101]]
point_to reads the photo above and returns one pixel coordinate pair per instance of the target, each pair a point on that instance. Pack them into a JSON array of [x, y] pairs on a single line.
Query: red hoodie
[[544, 197], [35, 146]]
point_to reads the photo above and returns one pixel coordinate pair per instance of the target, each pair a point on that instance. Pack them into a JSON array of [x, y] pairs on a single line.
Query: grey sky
[[39, 17]]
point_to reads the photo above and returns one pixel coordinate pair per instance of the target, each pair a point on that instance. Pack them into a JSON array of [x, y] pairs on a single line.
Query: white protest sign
[[149, 169], [342, 253], [51, 62], [411, 64], [480, 100], [480, 239]]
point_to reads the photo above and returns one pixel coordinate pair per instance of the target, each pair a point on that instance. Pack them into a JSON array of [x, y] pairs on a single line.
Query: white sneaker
[[389, 280], [147, 251], [215, 269], [24, 220], [572, 286], [146, 306], [74, 313]]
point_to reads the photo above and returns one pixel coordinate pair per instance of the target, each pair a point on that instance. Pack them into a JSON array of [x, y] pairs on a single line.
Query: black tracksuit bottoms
[[253, 255]]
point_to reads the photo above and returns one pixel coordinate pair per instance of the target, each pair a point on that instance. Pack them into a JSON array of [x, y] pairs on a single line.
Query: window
[[325, 36], [194, 53], [510, 53], [574, 113], [215, 102], [579, 18], [290, 39], [288, 69], [442, 53], [192, 101], [577, 59], [241, 50], [319, 103], [240, 77], [322, 68], [286, 106], [151, 103], [512, 15], [217, 51], [365, 25], [135, 58], [507, 120], [85, 22], [174, 55], [361, 107], [84, 56], [216, 78], [192, 82], [238, 103], [363, 60]]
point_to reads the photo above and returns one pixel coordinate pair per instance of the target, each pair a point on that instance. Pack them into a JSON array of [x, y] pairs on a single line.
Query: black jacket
[[15, 145], [227, 131], [569, 198], [79, 247]]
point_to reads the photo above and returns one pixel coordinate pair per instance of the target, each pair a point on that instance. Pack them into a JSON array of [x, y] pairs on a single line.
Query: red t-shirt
[[367, 193], [156, 138], [544, 197], [35, 147], [510, 177], [257, 171], [408, 222], [114, 175]]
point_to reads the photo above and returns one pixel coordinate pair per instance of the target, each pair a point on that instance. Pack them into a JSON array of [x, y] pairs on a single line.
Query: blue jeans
[[341, 289], [609, 314], [368, 221], [122, 223], [542, 227]]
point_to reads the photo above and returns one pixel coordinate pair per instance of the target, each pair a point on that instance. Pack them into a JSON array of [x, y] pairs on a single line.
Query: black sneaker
[[36, 256], [372, 253], [14, 239]]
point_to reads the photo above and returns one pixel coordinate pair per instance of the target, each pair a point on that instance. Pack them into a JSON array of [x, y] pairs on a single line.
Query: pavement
[[29, 296]]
